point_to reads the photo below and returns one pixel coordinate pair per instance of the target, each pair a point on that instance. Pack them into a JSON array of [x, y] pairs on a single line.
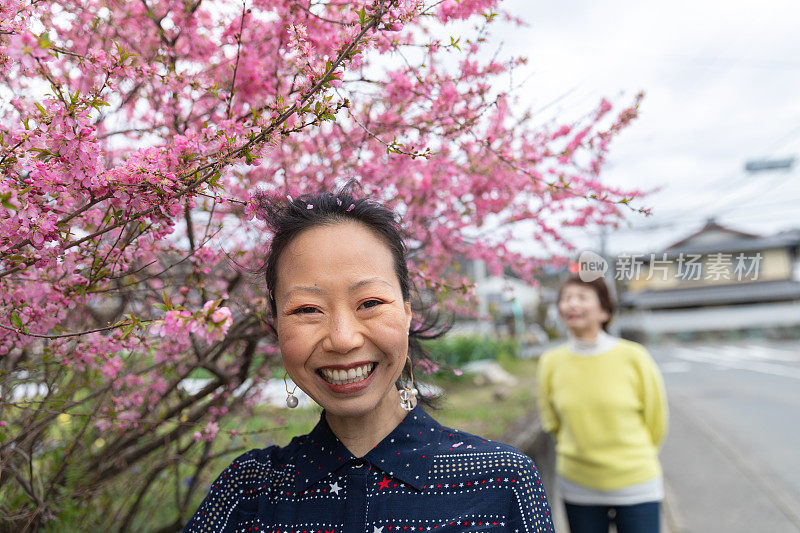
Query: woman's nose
[[344, 334]]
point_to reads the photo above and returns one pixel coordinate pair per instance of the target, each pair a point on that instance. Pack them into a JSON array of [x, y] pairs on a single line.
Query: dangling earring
[[291, 399], [408, 393]]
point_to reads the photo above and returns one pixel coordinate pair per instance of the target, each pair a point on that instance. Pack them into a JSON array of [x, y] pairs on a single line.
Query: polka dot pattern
[[421, 477]]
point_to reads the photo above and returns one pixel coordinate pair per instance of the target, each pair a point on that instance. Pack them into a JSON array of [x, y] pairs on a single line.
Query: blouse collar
[[602, 343], [406, 453]]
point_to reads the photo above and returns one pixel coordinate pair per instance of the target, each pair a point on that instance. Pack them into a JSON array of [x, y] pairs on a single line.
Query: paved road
[[732, 457]]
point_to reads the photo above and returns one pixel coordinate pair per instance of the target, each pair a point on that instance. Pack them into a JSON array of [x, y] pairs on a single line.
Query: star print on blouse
[[335, 488], [383, 484], [403, 455]]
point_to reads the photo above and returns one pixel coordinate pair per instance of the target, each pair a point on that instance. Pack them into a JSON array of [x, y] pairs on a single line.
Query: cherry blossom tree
[[135, 139]]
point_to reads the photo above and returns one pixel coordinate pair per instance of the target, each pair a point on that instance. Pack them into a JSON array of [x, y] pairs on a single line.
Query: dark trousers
[[638, 518]]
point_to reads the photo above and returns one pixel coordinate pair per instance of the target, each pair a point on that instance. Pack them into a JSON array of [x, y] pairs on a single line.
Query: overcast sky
[[722, 84]]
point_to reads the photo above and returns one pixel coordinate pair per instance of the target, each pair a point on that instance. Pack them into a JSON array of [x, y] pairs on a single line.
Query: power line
[[728, 200]]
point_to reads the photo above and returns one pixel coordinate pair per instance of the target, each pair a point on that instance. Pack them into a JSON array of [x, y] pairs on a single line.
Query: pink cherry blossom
[[133, 152]]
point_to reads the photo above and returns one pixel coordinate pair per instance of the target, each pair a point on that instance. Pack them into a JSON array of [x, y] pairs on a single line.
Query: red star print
[[383, 484]]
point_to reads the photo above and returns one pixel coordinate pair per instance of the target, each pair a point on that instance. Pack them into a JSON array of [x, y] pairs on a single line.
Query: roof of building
[[712, 225], [715, 238], [757, 291]]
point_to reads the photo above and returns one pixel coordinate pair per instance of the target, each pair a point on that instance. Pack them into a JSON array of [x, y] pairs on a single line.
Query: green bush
[[454, 351]]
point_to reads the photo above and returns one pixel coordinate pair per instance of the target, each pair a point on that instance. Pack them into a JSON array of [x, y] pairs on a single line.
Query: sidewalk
[[715, 488]]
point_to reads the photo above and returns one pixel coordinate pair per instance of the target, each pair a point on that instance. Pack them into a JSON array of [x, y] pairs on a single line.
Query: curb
[[673, 519]]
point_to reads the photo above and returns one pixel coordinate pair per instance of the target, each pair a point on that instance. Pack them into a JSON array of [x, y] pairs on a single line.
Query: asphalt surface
[[732, 456]]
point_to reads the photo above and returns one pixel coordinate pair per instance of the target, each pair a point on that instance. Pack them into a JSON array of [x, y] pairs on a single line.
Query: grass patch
[[488, 410], [278, 424]]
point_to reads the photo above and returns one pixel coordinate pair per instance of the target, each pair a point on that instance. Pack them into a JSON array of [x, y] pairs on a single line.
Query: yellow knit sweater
[[608, 413]]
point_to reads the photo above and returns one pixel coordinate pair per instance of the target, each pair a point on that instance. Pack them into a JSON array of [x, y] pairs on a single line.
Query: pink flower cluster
[[209, 432], [210, 323], [139, 133]]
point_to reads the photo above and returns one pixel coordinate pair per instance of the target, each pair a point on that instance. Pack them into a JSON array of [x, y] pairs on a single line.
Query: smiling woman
[[603, 399], [340, 296]]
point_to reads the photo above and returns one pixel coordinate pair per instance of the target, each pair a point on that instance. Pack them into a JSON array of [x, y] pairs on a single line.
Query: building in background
[[717, 281]]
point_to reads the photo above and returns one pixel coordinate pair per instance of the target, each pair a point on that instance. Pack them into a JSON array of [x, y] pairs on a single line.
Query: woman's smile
[[348, 381], [343, 375]]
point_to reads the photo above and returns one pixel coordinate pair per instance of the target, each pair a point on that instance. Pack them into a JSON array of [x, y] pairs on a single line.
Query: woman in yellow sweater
[[603, 399]]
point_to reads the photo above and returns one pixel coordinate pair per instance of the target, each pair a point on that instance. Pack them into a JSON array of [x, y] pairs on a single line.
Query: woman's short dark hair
[[599, 287], [288, 217]]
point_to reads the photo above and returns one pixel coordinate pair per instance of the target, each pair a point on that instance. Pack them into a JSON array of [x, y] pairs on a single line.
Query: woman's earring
[[408, 393], [291, 399]]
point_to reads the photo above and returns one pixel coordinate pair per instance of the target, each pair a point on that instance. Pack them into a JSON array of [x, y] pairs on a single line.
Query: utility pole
[[609, 276]]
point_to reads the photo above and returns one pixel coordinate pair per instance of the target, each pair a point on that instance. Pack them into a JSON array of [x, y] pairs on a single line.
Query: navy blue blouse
[[421, 477]]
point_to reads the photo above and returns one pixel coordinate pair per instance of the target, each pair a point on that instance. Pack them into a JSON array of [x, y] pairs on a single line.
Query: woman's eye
[[371, 303], [306, 310]]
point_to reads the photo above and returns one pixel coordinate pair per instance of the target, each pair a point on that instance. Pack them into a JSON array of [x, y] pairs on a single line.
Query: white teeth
[[342, 377]]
